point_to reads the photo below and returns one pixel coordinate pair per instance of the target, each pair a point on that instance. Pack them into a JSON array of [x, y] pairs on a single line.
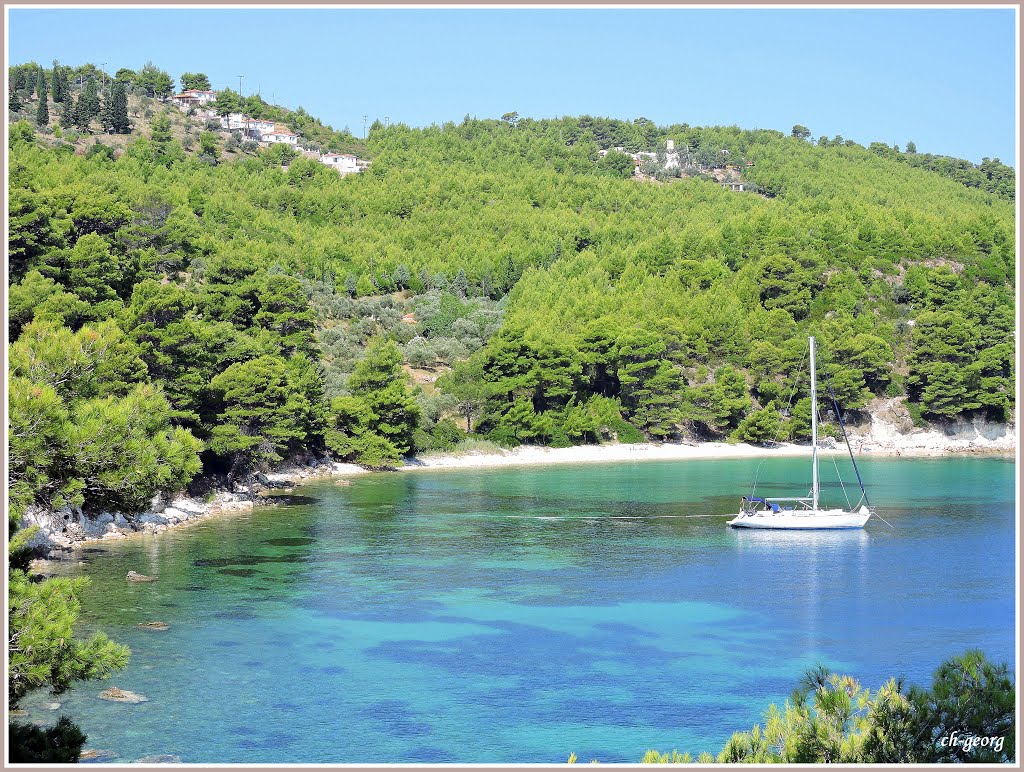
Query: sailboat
[[804, 512]]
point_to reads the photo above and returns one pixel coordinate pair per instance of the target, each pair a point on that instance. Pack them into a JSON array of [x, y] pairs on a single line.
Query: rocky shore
[[63, 530]]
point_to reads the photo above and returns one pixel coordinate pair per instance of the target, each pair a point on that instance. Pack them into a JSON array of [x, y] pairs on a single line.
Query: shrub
[[626, 433], [914, 408]]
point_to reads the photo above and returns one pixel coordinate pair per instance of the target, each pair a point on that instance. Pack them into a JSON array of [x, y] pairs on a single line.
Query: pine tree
[[43, 110]]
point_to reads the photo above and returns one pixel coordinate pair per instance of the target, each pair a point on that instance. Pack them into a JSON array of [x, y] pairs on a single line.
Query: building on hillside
[[735, 187], [281, 135], [255, 128], [193, 98], [233, 122], [344, 163]]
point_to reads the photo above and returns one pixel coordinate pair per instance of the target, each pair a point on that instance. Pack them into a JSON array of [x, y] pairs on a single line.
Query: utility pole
[[364, 127], [103, 73], [240, 84]]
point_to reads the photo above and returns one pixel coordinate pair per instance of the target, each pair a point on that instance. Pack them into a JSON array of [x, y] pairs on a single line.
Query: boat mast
[[814, 432]]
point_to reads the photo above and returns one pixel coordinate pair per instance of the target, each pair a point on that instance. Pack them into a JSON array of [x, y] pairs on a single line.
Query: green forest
[[185, 315], [255, 310]]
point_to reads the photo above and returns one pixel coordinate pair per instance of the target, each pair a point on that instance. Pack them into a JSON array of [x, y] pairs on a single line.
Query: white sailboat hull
[[803, 519]]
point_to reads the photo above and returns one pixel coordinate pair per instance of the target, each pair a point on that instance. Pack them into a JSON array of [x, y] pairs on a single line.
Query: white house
[[281, 135], [193, 98], [233, 121], [257, 127], [345, 163]]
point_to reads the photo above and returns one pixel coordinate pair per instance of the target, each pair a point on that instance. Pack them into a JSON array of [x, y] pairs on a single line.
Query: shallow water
[[516, 615]]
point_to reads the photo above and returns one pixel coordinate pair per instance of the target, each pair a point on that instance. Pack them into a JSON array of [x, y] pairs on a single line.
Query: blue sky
[[944, 78]]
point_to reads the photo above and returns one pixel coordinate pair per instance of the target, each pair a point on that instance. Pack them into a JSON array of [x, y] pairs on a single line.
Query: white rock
[[191, 506]]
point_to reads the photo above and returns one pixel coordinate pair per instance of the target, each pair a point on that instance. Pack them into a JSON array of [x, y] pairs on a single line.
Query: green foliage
[[59, 744], [42, 650], [153, 81], [194, 80], [761, 427], [42, 109], [119, 122], [258, 416], [832, 719]]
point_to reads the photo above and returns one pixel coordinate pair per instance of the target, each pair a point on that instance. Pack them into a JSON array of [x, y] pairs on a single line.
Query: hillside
[[255, 306]]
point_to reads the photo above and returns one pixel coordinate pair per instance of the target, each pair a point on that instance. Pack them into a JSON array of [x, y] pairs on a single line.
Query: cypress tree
[[88, 106], [13, 102], [107, 112], [67, 113], [60, 82], [43, 110], [119, 109]]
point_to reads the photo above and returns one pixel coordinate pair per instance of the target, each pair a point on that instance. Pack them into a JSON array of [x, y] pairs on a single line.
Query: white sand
[[531, 455], [1000, 440]]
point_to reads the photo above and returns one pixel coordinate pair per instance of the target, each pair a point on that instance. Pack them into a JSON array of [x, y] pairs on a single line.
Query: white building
[[193, 98], [281, 135], [345, 163], [233, 122], [257, 127]]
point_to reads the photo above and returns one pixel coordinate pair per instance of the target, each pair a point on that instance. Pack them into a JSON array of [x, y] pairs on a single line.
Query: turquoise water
[[517, 615]]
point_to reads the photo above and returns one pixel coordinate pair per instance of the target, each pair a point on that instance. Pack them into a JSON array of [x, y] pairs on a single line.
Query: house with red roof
[[193, 98]]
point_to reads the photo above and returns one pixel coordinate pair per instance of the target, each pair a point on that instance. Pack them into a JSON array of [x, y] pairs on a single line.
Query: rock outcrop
[[113, 694], [891, 430]]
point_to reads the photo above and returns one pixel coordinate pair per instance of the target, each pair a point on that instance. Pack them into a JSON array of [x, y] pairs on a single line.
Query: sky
[[944, 78]]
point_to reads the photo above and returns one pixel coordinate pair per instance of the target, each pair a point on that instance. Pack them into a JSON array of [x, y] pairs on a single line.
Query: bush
[[895, 387], [101, 151], [914, 408], [58, 744], [446, 435], [449, 350], [626, 433]]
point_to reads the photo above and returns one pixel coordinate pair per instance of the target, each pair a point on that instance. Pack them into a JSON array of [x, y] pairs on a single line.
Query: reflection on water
[[515, 615]]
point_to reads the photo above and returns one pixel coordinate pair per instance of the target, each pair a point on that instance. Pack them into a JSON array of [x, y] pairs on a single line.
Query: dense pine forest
[[176, 311]]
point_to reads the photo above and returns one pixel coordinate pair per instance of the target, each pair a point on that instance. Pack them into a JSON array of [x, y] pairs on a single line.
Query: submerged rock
[[53, 706], [162, 758], [96, 756], [152, 625], [113, 694], [131, 576]]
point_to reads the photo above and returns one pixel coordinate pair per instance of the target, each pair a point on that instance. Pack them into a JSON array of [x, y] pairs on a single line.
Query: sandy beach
[[532, 455]]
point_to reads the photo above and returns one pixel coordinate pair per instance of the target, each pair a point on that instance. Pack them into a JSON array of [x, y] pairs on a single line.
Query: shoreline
[[67, 530], [533, 455]]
